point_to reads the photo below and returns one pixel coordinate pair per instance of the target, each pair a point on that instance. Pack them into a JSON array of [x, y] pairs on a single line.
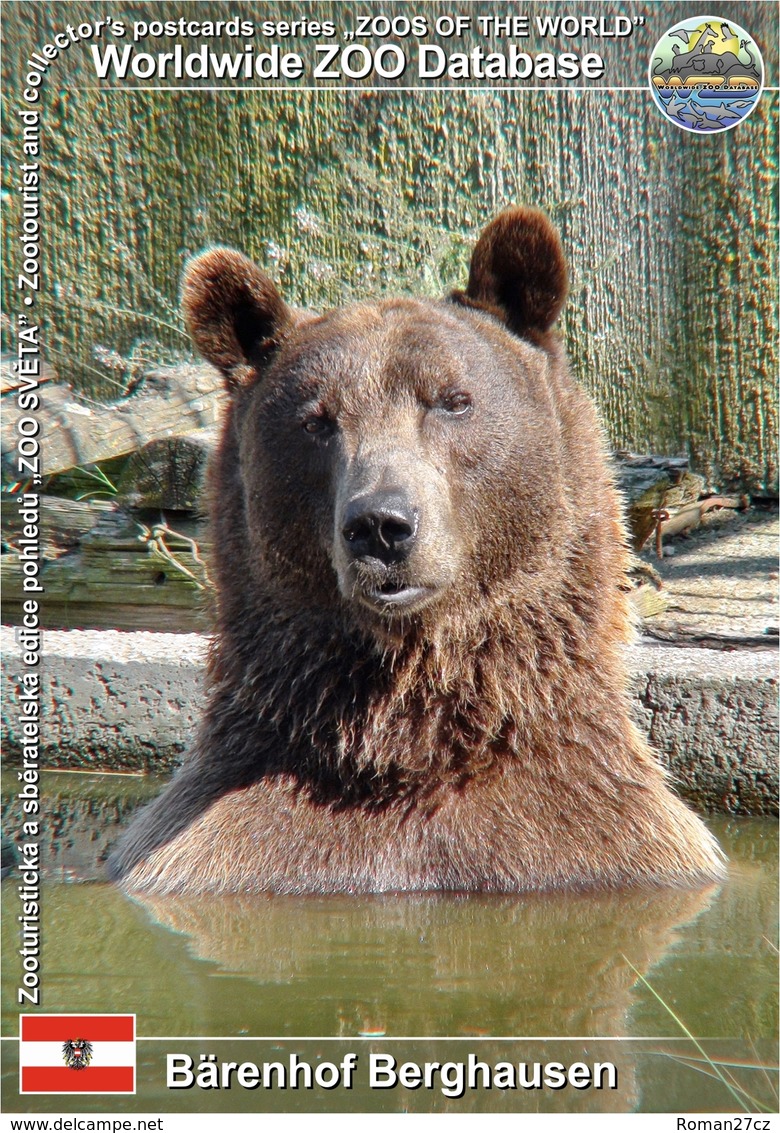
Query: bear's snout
[[392, 544], [380, 525], [379, 532]]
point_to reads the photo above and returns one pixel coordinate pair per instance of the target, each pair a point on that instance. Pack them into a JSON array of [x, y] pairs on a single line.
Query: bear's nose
[[382, 525]]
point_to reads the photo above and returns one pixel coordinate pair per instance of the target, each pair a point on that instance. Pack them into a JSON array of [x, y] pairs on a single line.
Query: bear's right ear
[[518, 272], [233, 312]]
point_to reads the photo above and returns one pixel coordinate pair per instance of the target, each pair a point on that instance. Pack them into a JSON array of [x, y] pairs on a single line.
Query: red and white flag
[[77, 1054]]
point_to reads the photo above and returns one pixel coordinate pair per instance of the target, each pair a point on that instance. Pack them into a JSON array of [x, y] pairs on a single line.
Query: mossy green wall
[[672, 237]]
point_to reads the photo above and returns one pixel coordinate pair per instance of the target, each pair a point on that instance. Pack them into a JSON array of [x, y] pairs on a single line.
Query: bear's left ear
[[518, 272], [233, 312]]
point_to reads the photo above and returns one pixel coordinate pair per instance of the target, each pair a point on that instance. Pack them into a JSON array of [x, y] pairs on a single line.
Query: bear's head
[[396, 459]]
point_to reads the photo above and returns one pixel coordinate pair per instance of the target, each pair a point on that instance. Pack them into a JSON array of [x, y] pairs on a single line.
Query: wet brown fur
[[481, 742]]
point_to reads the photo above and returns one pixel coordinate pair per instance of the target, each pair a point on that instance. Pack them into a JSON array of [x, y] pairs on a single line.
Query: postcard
[[389, 562]]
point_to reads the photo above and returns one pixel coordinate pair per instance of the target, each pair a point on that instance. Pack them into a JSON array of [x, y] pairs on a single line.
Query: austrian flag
[[77, 1054]]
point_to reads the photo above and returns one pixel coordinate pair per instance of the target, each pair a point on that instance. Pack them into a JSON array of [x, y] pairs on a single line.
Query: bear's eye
[[317, 423], [456, 402]]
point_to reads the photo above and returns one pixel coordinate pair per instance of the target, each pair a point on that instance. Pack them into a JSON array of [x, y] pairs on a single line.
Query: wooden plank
[[63, 523], [165, 403], [104, 567], [9, 379], [116, 615]]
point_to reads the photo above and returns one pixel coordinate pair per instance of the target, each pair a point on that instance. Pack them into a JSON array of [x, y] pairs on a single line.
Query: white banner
[[388, 1123]]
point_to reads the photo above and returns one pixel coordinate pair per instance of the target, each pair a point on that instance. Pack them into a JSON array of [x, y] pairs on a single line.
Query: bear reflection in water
[[428, 964], [562, 964], [417, 679]]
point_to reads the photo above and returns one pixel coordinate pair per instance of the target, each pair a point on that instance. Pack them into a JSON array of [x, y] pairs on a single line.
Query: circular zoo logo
[[706, 74]]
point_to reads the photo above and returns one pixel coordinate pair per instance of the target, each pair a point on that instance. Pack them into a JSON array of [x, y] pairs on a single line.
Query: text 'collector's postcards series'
[[389, 515]]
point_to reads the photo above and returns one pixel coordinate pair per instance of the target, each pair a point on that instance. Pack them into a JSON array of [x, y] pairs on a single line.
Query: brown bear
[[417, 678]]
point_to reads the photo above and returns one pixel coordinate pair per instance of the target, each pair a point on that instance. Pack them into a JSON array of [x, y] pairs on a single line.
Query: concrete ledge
[[130, 702], [110, 700], [712, 717]]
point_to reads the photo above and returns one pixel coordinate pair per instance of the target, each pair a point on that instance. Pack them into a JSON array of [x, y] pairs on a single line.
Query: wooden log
[[168, 474], [690, 515], [123, 572], [649, 483], [165, 403], [685, 636]]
